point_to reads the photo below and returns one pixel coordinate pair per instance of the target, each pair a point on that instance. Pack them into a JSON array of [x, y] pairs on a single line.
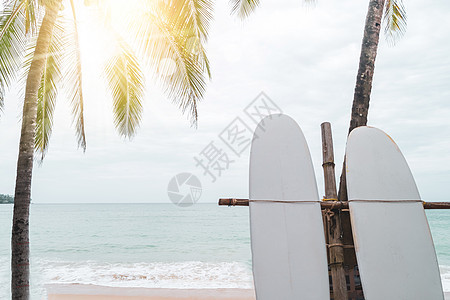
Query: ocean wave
[[192, 274], [189, 274], [445, 277]]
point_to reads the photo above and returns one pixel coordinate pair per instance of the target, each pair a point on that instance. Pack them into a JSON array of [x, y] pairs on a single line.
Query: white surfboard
[[394, 248], [287, 239]]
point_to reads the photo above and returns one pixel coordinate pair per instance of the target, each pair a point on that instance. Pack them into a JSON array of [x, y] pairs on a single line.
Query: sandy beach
[[93, 292]]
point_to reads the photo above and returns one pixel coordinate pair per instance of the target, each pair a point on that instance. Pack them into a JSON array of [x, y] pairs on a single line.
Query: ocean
[[150, 245]]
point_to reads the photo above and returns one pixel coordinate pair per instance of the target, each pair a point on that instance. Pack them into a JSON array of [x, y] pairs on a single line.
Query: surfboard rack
[[330, 204], [342, 265]]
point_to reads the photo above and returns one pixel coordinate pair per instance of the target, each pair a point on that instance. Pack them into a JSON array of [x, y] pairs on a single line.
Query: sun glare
[[102, 24]]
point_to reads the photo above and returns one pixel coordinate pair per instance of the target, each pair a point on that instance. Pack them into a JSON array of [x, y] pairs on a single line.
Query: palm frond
[[31, 9], [192, 17], [394, 20], [243, 8], [126, 83], [204, 61], [12, 45], [39, 12], [11, 10], [74, 79], [194, 47], [178, 65], [47, 92], [27, 59]]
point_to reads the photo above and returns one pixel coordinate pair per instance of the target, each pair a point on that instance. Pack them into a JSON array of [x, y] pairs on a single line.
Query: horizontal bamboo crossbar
[[330, 204]]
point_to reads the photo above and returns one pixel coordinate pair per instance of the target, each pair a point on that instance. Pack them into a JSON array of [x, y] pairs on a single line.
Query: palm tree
[[394, 27], [177, 31]]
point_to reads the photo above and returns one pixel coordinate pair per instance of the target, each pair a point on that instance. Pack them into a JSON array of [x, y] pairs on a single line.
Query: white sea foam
[[445, 277], [192, 274]]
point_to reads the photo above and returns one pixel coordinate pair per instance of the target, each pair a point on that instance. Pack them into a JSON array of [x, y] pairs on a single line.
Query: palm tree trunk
[[363, 88], [20, 247]]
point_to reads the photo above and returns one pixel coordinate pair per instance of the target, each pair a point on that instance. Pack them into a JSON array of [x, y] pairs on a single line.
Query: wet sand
[[92, 292]]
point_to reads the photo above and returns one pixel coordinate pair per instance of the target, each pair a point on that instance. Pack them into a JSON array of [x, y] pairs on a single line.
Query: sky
[[304, 60]]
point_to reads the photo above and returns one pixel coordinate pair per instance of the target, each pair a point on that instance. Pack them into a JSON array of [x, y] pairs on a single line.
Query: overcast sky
[[305, 60]]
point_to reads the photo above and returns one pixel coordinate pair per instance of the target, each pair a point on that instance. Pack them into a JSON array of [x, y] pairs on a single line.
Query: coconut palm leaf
[[178, 66], [190, 16], [243, 8], [394, 20], [73, 78], [12, 45], [204, 61], [12, 9], [27, 9], [190, 19], [31, 8], [48, 91], [126, 83], [181, 76], [194, 47]]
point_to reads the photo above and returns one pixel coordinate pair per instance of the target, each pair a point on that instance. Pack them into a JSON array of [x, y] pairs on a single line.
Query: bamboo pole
[[330, 204], [436, 205], [334, 231]]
